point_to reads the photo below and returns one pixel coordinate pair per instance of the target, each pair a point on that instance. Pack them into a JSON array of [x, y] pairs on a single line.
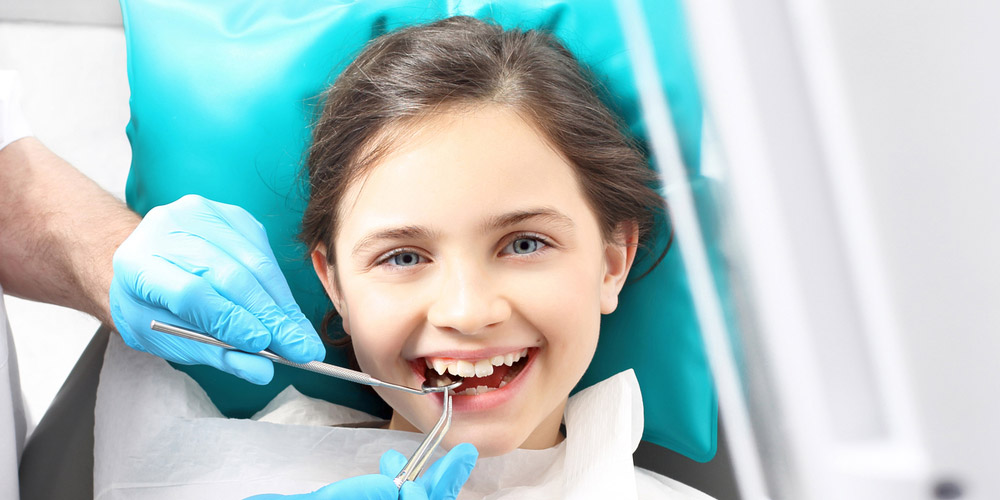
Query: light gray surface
[[75, 97], [918, 119], [58, 461], [94, 12], [923, 81]]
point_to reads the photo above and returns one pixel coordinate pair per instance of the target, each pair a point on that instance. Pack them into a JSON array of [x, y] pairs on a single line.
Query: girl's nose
[[468, 301]]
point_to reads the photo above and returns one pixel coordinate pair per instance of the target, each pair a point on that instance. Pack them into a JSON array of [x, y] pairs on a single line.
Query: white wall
[[94, 12], [75, 96]]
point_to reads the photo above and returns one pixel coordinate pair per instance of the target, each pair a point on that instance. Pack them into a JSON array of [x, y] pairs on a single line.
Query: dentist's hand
[[208, 266], [442, 481], [370, 487]]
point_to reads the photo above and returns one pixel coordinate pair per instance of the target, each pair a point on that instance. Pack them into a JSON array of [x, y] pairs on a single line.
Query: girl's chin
[[487, 445], [489, 440], [497, 441]]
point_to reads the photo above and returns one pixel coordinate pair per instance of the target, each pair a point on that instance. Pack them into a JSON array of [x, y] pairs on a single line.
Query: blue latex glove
[[442, 481], [444, 478], [370, 487], [208, 266]]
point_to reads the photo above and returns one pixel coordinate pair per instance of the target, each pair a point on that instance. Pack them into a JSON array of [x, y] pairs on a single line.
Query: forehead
[[460, 167]]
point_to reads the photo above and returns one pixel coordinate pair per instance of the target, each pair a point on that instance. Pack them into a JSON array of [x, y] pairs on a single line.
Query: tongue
[[489, 381]]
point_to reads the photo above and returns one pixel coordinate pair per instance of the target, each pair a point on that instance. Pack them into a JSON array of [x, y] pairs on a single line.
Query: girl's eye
[[524, 245], [403, 259]]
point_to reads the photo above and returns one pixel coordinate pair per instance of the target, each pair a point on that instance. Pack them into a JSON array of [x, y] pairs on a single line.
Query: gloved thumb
[[412, 491], [370, 487], [391, 463], [445, 478]]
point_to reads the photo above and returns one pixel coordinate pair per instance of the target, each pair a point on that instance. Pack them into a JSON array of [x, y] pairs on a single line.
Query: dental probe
[[415, 465], [313, 366]]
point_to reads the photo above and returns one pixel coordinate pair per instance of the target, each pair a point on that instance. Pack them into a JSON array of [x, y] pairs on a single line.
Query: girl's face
[[471, 249]]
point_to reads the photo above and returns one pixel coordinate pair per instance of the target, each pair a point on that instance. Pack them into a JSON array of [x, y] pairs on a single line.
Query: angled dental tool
[[415, 465], [419, 458], [313, 366]]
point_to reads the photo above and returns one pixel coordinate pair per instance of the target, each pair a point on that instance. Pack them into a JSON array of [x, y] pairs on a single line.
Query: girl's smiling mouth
[[486, 381]]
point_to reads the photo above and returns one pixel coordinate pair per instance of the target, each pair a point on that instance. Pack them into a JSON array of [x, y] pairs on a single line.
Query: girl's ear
[[618, 257], [328, 277]]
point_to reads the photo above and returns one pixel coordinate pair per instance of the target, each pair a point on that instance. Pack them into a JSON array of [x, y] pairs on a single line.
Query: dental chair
[[199, 65]]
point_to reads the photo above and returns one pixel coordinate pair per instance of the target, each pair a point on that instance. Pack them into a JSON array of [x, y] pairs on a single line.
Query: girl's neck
[[546, 435]]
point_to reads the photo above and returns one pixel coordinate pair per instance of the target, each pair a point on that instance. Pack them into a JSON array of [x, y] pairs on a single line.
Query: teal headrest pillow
[[223, 94]]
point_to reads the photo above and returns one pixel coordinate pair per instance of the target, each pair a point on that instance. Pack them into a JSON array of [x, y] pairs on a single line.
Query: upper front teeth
[[479, 368]]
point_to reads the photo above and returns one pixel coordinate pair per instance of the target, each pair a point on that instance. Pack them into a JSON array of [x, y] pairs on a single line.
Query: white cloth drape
[[12, 420], [159, 436]]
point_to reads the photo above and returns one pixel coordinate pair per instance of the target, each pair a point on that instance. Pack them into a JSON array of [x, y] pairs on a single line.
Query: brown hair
[[408, 74]]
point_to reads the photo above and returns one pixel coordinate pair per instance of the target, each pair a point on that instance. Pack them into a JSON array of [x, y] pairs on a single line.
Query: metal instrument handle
[[313, 366]]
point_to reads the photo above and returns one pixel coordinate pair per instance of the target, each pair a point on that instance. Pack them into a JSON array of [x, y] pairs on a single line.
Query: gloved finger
[[412, 491], [445, 477], [230, 277], [259, 260], [391, 463], [193, 299], [369, 487], [254, 369]]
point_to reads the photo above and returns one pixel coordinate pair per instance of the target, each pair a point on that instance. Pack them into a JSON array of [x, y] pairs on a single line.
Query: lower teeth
[[482, 389]]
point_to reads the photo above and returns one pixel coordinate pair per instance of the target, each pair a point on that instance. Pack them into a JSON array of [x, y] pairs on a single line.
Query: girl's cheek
[[381, 320], [565, 288]]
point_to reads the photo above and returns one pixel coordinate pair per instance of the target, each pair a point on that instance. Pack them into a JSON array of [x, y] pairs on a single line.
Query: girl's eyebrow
[[492, 224], [394, 233], [549, 215]]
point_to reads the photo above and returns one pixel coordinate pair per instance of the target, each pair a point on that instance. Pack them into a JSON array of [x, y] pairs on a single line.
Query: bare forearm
[[58, 230]]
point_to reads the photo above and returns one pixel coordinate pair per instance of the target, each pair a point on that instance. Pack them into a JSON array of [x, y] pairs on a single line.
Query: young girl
[[474, 209]]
